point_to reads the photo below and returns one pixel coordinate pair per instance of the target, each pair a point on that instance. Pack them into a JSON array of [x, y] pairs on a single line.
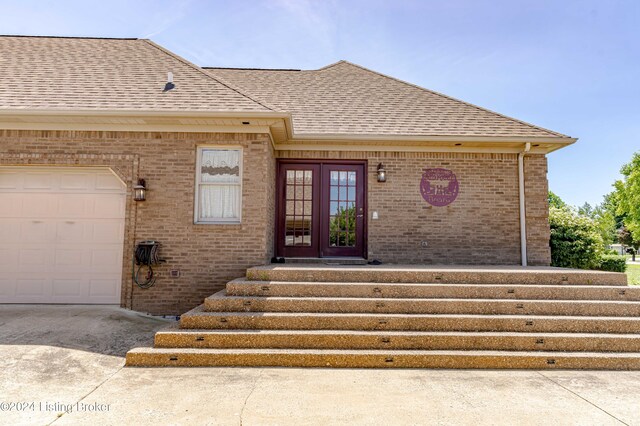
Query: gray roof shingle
[[344, 98], [107, 74]]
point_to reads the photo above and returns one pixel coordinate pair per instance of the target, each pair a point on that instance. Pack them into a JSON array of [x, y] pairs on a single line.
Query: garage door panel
[[39, 181], [38, 205], [31, 287], [109, 206], [30, 258], [77, 181], [7, 288], [10, 231], [94, 232], [41, 231], [108, 182], [65, 259], [73, 206], [104, 287], [72, 287], [10, 205], [61, 235], [70, 231], [107, 232], [105, 259], [11, 180], [8, 259]]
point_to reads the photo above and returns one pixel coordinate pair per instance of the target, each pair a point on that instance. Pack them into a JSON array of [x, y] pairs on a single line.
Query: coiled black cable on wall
[[146, 254]]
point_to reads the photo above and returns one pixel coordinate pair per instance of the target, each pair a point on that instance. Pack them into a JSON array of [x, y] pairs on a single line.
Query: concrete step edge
[[411, 273], [381, 359], [385, 352], [222, 295], [200, 312], [246, 282], [410, 333]]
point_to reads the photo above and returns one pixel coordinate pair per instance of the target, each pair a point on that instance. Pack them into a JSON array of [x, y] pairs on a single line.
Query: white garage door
[[61, 235]]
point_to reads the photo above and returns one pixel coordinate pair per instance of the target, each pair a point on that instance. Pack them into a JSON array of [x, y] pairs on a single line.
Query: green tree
[[604, 220], [342, 228], [628, 196], [556, 201], [586, 210], [626, 239], [575, 240], [610, 204], [603, 215]]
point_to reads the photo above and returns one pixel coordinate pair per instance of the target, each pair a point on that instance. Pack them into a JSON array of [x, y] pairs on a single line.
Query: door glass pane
[[308, 177], [298, 208], [334, 178], [342, 209]]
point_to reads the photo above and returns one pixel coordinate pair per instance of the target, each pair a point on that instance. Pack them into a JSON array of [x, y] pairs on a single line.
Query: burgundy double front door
[[320, 209]]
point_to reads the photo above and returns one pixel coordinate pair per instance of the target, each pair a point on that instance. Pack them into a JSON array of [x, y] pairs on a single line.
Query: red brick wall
[[207, 256]]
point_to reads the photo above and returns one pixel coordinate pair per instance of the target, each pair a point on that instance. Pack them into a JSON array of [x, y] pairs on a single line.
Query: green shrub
[[575, 241], [613, 263]]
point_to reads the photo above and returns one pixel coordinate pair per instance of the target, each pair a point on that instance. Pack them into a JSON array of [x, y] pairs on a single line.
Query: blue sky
[[571, 66]]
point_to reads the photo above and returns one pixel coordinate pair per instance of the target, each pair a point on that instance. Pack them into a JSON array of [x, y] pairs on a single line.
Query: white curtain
[[219, 201], [220, 196], [221, 166]]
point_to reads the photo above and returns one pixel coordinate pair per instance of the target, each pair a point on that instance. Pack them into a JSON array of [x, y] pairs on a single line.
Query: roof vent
[[169, 84]]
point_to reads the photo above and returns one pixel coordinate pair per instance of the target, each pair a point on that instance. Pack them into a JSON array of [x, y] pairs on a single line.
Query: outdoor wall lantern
[[140, 190], [382, 173]]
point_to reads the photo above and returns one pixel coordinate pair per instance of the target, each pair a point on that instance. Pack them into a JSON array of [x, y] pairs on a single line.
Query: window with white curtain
[[219, 185]]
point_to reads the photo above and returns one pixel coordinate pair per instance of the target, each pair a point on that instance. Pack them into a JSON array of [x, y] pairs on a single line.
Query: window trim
[[196, 209]]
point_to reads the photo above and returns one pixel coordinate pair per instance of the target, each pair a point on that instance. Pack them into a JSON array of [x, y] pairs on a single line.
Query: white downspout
[[523, 214]]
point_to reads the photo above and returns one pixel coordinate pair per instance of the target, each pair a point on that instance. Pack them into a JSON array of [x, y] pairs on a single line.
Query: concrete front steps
[[301, 316]]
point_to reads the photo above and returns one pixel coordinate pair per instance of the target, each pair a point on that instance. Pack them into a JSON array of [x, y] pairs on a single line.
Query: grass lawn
[[633, 274]]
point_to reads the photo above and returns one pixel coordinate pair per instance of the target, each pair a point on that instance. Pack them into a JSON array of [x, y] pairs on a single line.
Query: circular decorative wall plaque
[[439, 187]]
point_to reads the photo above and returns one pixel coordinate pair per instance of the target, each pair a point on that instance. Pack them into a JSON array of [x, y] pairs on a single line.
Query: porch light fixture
[[140, 190], [382, 173]]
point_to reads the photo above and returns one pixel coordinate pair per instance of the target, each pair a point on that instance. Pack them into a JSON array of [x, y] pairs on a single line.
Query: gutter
[[523, 214]]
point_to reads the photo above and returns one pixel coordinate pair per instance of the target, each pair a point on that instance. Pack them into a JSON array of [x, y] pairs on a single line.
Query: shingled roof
[[342, 100], [69, 73], [345, 98]]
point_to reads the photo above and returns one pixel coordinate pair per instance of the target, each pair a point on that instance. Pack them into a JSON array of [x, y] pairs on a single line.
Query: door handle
[[360, 215]]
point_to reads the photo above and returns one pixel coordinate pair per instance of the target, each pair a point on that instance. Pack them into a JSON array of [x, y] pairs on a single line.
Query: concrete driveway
[[70, 358]]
